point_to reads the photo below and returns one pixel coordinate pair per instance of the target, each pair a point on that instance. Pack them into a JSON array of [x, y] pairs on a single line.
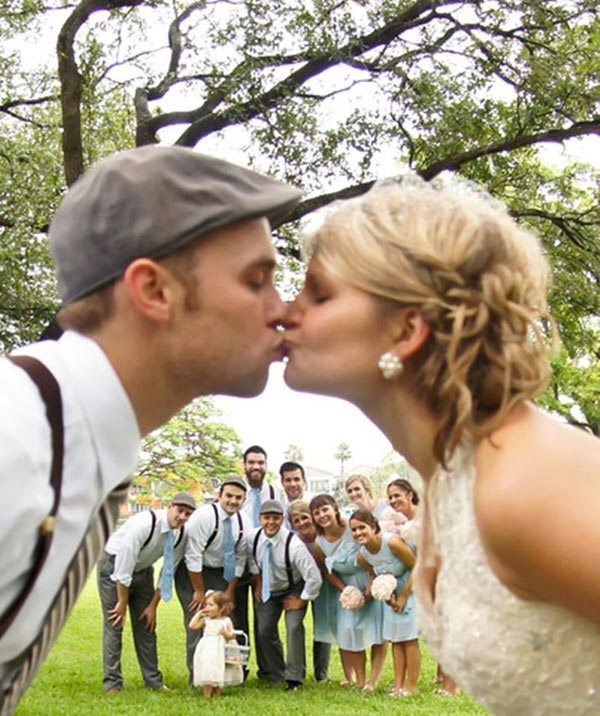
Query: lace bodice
[[519, 658]]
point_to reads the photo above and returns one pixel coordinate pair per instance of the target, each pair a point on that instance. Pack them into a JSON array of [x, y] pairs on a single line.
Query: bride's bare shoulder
[[531, 445], [537, 480]]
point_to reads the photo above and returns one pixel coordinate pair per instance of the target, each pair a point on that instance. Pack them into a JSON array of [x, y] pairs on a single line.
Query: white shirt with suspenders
[[292, 562], [205, 542], [267, 492], [139, 543]]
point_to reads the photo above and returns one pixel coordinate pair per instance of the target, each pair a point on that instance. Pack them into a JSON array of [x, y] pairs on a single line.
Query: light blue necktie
[[267, 564], [256, 505], [229, 558], [166, 580]]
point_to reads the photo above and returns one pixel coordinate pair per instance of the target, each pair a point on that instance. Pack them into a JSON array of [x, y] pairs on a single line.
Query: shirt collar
[[107, 409], [163, 522], [281, 535], [222, 514]]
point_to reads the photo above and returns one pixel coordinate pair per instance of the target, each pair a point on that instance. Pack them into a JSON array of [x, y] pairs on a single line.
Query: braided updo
[[479, 281]]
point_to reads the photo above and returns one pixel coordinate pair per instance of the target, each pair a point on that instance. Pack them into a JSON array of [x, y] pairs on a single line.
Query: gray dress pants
[[274, 666], [141, 591], [321, 656]]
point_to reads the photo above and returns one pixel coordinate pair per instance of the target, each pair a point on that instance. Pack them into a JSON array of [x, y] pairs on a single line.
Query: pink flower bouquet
[[383, 587], [392, 521], [352, 598]]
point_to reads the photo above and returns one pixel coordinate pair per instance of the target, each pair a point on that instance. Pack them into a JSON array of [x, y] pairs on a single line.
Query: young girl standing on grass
[[383, 553], [210, 670]]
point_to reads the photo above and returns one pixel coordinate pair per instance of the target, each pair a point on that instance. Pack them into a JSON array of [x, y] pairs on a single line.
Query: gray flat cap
[[184, 499], [235, 481], [269, 507], [148, 202]]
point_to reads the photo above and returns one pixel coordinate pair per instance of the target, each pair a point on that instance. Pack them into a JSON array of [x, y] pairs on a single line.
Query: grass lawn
[[69, 684]]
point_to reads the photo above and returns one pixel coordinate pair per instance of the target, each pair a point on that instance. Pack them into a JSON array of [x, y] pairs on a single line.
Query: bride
[[426, 308]]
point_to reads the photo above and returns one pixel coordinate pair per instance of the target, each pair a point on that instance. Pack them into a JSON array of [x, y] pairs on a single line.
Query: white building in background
[[318, 481]]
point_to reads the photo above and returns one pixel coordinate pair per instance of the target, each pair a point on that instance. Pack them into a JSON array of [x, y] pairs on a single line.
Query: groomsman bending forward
[[285, 579]]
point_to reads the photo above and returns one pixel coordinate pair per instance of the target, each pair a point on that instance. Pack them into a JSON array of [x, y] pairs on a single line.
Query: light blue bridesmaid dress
[[359, 629], [401, 626]]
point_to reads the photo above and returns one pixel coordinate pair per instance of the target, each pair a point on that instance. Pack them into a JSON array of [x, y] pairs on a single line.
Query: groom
[[165, 267]]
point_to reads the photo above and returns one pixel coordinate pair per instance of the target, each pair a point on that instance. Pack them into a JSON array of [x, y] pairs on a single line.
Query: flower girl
[[210, 669]]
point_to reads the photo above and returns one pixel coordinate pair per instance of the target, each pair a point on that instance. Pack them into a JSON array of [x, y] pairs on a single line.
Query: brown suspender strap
[[50, 393], [215, 531], [152, 526]]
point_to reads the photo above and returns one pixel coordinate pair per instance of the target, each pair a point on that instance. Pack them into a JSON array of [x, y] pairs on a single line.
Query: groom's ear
[[409, 331]]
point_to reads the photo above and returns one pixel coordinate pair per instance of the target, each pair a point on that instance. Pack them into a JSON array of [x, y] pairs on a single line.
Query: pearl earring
[[390, 366]]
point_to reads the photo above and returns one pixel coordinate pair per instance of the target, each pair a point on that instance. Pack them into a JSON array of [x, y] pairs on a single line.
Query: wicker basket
[[236, 653]]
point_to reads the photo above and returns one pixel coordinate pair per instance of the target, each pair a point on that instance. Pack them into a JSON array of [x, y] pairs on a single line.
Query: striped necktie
[[84, 560]]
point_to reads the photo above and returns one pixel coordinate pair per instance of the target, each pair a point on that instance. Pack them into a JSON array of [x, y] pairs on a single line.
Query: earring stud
[[390, 366]]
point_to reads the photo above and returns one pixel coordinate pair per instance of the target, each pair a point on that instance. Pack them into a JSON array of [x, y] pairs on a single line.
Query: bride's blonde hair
[[479, 281]]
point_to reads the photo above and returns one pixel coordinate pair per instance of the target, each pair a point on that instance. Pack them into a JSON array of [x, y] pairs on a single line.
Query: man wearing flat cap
[[215, 556], [126, 581], [286, 579], [165, 267]]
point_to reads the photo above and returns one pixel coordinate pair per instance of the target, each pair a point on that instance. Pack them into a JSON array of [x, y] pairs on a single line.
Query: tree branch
[[70, 81], [568, 225], [415, 16], [453, 163], [11, 104], [146, 128]]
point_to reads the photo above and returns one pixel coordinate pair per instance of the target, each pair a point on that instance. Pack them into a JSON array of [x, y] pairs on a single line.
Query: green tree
[[294, 453], [191, 452], [392, 467], [342, 453], [322, 93]]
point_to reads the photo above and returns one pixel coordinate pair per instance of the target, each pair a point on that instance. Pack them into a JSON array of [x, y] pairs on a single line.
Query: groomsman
[[286, 578], [126, 580], [293, 482], [258, 490], [215, 556], [255, 469]]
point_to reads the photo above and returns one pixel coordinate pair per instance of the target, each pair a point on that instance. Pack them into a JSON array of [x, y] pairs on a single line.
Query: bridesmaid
[[403, 499], [360, 494], [383, 553], [355, 630]]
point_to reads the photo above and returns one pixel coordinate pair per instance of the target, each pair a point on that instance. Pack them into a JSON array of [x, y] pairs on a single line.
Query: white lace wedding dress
[[519, 658]]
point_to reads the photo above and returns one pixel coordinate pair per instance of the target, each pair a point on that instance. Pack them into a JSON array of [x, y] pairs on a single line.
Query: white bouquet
[[351, 598], [383, 587]]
